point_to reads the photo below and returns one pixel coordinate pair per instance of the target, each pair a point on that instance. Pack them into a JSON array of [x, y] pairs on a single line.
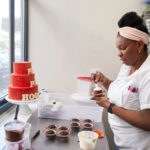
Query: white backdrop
[[69, 37]]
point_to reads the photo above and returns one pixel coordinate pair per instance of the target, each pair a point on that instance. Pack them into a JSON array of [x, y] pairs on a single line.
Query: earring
[[139, 51]]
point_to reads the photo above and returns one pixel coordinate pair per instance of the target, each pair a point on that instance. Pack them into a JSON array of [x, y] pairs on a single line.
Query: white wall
[[69, 37]]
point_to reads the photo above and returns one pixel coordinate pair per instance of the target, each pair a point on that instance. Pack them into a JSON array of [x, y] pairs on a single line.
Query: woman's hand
[[101, 101], [101, 79], [98, 77]]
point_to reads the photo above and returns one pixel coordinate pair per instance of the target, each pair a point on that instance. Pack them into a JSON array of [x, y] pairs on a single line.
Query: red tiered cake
[[23, 86]]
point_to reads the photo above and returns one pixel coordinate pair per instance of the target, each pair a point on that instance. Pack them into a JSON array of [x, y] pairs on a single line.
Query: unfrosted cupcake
[[75, 126], [63, 135], [50, 134]]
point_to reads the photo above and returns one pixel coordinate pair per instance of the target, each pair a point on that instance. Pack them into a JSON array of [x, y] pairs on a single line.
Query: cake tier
[[21, 67], [22, 93], [22, 80]]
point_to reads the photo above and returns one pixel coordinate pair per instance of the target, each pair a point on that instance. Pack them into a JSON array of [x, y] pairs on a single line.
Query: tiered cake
[[23, 86]]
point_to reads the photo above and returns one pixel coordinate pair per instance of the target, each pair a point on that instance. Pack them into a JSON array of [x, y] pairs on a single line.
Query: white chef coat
[[127, 136]]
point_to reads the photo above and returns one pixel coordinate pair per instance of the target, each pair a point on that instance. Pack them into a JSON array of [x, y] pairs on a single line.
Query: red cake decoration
[[23, 86]]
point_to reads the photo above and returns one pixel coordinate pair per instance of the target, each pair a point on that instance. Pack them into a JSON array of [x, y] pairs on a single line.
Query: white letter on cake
[[25, 97], [32, 83], [36, 95], [29, 70], [31, 96]]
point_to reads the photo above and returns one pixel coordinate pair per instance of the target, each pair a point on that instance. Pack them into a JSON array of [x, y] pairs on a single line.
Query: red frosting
[[21, 67], [16, 93], [98, 92], [21, 82]]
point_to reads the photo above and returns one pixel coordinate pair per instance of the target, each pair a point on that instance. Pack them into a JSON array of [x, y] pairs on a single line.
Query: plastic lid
[[85, 78], [14, 125]]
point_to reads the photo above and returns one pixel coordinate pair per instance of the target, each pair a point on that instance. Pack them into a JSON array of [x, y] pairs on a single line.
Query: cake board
[[24, 108]]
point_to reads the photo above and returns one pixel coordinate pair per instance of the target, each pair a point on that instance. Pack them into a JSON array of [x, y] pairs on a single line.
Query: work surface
[[42, 143]]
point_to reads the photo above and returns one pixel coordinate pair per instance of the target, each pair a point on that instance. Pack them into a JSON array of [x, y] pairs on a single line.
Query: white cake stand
[[24, 108]]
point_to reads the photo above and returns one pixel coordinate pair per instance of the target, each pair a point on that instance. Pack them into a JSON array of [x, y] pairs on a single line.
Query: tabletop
[[41, 142]]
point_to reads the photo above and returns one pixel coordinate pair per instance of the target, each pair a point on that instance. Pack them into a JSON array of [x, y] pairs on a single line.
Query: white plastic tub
[[68, 109]]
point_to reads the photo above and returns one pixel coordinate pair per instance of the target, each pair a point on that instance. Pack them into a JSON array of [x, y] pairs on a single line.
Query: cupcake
[[50, 134], [51, 126], [75, 126], [98, 91], [14, 130], [63, 135], [64, 128], [74, 120], [87, 126], [88, 121]]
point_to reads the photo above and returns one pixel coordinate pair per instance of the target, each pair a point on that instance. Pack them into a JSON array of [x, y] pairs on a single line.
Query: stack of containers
[[14, 131]]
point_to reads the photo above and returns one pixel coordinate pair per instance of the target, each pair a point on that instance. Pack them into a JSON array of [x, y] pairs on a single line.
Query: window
[[18, 31], [13, 41], [4, 46]]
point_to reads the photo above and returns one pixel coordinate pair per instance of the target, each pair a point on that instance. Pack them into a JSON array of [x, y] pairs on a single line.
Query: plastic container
[[27, 141], [47, 110], [84, 86], [69, 108], [87, 140], [27, 130], [14, 130], [14, 145]]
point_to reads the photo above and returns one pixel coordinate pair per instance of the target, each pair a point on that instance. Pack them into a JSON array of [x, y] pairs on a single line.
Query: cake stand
[[24, 108]]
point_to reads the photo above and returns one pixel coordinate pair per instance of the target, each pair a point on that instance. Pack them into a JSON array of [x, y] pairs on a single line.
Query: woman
[[128, 101]]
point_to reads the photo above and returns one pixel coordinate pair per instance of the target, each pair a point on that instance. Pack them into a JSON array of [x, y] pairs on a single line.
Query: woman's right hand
[[100, 78]]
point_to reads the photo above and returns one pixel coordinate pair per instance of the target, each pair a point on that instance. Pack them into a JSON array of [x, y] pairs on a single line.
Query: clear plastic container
[[27, 141], [47, 110], [84, 86], [87, 140], [14, 130], [14, 145], [69, 108]]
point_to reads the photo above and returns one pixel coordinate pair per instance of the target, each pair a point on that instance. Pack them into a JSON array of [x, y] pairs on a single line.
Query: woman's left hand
[[101, 101]]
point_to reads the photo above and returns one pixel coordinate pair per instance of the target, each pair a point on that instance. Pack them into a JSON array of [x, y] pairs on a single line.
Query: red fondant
[[20, 80], [21, 67], [16, 93]]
